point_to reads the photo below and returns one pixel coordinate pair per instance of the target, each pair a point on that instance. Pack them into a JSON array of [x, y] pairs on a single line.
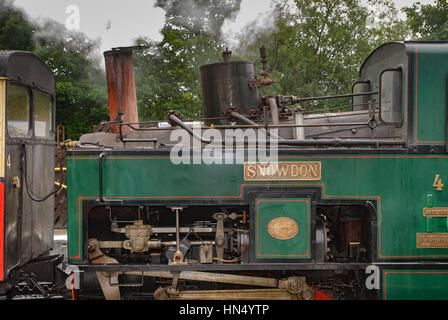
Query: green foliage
[[198, 16], [81, 94], [317, 46], [16, 32], [428, 22], [167, 74]]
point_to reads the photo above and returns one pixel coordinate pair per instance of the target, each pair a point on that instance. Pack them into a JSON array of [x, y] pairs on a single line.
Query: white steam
[[254, 16]]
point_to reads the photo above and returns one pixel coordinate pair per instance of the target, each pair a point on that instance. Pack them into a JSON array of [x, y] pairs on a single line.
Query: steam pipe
[[320, 142], [274, 109], [342, 142], [243, 118], [177, 231], [187, 128], [244, 126], [193, 243], [124, 140], [153, 140], [296, 99], [227, 55], [100, 178]]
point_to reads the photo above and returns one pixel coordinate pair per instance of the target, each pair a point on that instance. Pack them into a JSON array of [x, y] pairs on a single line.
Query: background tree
[[428, 22], [317, 46], [81, 95], [167, 74], [16, 32], [81, 91]]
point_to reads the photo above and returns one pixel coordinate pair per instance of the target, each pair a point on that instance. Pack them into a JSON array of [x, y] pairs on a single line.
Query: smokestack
[[121, 87]]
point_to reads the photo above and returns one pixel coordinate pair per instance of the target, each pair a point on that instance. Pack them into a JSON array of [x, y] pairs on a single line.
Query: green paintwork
[[415, 284], [402, 186], [268, 247], [436, 224], [430, 83]]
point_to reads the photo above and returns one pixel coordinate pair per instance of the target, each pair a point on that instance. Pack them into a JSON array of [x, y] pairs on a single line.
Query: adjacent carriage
[[27, 174]]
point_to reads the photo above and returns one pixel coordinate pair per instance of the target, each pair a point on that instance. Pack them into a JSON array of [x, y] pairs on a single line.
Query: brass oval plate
[[283, 228]]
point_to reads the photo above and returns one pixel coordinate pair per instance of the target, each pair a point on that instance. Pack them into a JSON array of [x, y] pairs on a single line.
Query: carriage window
[[42, 114], [18, 110], [391, 96]]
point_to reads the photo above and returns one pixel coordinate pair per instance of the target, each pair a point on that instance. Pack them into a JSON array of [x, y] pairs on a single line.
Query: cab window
[[18, 113], [42, 114], [391, 86]]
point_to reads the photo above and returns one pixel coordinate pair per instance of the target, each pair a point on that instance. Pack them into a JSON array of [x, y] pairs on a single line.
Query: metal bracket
[[220, 238], [117, 284], [30, 277], [178, 257]]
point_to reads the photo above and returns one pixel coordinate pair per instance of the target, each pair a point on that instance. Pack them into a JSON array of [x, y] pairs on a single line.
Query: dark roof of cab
[[27, 68], [407, 45]]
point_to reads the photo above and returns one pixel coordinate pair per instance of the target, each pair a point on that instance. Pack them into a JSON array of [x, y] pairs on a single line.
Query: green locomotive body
[[339, 202]]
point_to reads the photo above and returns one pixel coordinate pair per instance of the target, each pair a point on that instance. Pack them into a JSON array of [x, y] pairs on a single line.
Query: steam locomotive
[[261, 198]]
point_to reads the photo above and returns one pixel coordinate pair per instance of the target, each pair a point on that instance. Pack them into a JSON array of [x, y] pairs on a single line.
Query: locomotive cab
[[27, 113]]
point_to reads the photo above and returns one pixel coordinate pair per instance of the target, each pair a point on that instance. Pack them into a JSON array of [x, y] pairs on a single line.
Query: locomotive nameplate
[[283, 228], [266, 171], [435, 212], [432, 240]]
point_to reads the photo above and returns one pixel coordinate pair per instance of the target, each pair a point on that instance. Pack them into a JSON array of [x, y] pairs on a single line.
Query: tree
[[167, 74], [317, 46], [16, 32], [428, 22], [81, 95], [196, 16]]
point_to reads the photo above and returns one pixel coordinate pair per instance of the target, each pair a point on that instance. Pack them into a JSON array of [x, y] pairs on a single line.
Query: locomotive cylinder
[[228, 84]]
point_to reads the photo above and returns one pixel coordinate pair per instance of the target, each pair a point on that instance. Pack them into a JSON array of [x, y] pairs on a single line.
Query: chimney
[[121, 87]]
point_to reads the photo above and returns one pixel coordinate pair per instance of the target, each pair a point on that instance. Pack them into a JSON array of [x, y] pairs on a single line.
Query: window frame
[[52, 115], [29, 133], [400, 69]]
